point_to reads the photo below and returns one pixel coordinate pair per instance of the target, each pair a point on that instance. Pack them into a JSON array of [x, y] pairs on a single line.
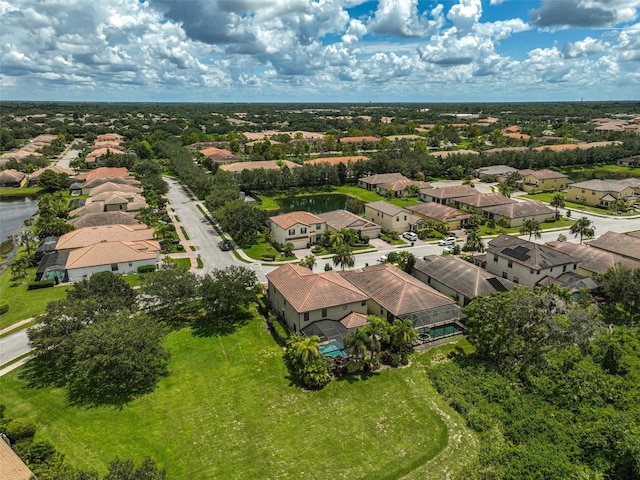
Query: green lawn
[[561, 223], [578, 207], [228, 409], [185, 262], [25, 303], [580, 174], [19, 192]]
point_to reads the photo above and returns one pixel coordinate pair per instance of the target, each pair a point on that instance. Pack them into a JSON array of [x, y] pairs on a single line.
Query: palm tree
[[402, 334], [24, 239], [503, 222], [304, 349], [377, 333], [532, 227], [356, 342], [583, 227], [343, 257], [287, 249], [337, 238], [309, 261], [622, 204], [557, 201], [505, 189]]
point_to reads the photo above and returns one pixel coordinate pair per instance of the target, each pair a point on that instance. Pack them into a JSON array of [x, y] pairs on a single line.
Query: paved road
[[67, 157], [14, 345]]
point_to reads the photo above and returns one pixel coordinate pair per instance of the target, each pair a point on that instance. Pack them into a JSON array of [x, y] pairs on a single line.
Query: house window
[[564, 268], [131, 264], [575, 265], [510, 264], [504, 274], [114, 267], [303, 230], [551, 269], [405, 218], [318, 226], [306, 316], [363, 303], [516, 280], [495, 258], [583, 190], [292, 231], [121, 207], [324, 313], [344, 307], [531, 271], [537, 272]]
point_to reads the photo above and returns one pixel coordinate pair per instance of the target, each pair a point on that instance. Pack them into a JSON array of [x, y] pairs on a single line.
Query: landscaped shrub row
[[4, 306], [268, 257], [40, 284], [280, 331], [146, 268]]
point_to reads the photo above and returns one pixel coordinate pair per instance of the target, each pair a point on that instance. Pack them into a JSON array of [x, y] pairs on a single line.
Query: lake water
[[13, 212], [312, 203]]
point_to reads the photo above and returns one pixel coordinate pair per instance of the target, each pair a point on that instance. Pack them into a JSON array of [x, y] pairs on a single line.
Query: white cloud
[[583, 48], [401, 18], [584, 13]]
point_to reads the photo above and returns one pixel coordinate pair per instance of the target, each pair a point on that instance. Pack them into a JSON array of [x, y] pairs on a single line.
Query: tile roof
[[85, 236], [266, 164], [626, 245], [307, 291], [11, 175], [461, 276], [127, 180], [382, 178], [401, 184], [385, 207], [358, 139], [396, 291], [11, 466], [288, 220], [600, 185], [527, 208], [452, 191], [54, 168], [448, 153], [104, 172], [482, 200], [593, 259], [496, 169], [437, 211], [106, 253], [558, 148], [336, 160], [517, 136], [104, 218], [354, 319], [338, 219], [532, 255], [113, 187], [547, 174], [220, 154]]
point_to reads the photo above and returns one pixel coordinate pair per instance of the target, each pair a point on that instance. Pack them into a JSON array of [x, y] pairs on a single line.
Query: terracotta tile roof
[[11, 175], [532, 255], [521, 209], [106, 144], [437, 211], [288, 220], [266, 164], [593, 259], [106, 137], [338, 219], [11, 466], [546, 174], [382, 178], [100, 152], [483, 200], [626, 245], [220, 154], [394, 290], [517, 136], [86, 236], [358, 139], [385, 207], [558, 148], [113, 187], [504, 149], [307, 291], [448, 153], [104, 218], [104, 172], [353, 320], [128, 180], [399, 185], [453, 191], [106, 253], [461, 276], [336, 160], [54, 168], [512, 128]]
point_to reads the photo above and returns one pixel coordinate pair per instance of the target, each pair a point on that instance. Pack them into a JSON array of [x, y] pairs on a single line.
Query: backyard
[[577, 207], [229, 409]]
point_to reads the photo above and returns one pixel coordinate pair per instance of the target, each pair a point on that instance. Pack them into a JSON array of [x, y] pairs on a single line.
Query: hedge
[[268, 257], [279, 329], [20, 428], [146, 268], [4, 306], [40, 284]]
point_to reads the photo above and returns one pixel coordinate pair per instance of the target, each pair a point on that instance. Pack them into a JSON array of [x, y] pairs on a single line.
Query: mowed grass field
[[228, 409]]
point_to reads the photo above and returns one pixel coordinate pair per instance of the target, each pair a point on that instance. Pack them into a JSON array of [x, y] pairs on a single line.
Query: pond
[[312, 203], [14, 211]]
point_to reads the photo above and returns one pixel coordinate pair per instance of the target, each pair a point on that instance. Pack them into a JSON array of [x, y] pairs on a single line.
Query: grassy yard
[[577, 207], [561, 223], [19, 192], [580, 174], [25, 303], [184, 262], [228, 409]]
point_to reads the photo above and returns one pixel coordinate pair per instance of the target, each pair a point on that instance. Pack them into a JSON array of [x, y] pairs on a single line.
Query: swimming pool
[[333, 349]]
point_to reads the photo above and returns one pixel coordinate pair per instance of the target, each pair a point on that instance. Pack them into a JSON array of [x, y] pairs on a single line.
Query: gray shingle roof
[[626, 245], [532, 255], [593, 259], [521, 209]]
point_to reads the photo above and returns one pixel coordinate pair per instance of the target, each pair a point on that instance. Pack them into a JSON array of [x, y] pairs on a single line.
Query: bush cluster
[[40, 284], [4, 306]]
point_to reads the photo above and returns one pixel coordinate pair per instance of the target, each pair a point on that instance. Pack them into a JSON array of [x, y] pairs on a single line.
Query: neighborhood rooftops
[[593, 259], [83, 237], [287, 220], [626, 245], [532, 255], [453, 191], [520, 209], [266, 164], [105, 253]]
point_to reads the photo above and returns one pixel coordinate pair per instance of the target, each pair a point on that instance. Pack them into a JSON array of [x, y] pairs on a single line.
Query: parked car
[[447, 241], [224, 246], [411, 236], [448, 248], [383, 259]]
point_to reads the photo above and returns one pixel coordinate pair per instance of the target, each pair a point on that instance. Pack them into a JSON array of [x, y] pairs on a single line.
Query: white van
[[411, 236], [447, 241]]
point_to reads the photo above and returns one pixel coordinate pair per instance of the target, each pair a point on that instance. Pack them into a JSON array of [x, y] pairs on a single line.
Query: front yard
[[229, 409], [577, 207]]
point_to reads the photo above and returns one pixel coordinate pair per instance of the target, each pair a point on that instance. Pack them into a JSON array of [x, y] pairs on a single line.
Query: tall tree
[[557, 201], [356, 342], [621, 286], [309, 261], [343, 257], [225, 290], [532, 227], [583, 228]]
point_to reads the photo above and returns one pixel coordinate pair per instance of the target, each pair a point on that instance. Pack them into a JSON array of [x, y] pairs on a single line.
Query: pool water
[[333, 349]]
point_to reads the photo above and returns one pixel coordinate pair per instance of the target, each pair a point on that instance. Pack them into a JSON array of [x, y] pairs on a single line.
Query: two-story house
[[440, 213], [525, 262], [599, 193], [391, 218], [446, 195], [542, 180], [300, 228]]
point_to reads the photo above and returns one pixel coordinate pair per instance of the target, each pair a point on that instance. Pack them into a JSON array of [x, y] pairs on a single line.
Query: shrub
[[180, 248], [268, 257], [355, 365], [316, 249], [40, 284], [21, 427], [146, 268], [39, 452], [280, 330], [4, 306]]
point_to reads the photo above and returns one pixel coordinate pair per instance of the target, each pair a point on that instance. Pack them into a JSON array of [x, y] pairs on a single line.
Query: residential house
[[83, 237], [220, 155], [361, 140], [491, 173], [599, 193], [101, 172], [265, 164], [625, 245], [117, 257], [446, 195], [300, 228], [518, 212], [104, 218], [525, 262], [391, 218], [371, 182], [398, 187], [302, 297], [96, 182], [336, 160], [593, 260], [35, 176], [478, 202], [542, 180], [12, 178], [440, 213], [339, 219], [632, 182], [96, 157], [394, 293], [113, 188], [458, 278]]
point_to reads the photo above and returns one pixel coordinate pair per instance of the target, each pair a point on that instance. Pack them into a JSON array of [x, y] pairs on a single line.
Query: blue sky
[[320, 50]]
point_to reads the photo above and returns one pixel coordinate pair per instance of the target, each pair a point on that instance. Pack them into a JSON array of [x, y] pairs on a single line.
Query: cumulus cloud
[[401, 18], [584, 13], [583, 48]]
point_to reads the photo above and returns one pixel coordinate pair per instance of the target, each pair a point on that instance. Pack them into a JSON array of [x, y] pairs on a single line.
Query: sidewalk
[[16, 326]]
